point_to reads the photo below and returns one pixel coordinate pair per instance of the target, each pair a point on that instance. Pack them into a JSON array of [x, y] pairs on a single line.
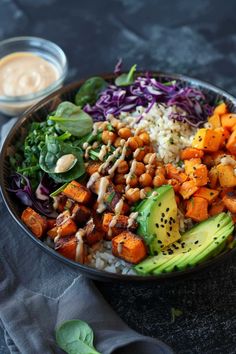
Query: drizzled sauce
[[104, 181], [79, 253]]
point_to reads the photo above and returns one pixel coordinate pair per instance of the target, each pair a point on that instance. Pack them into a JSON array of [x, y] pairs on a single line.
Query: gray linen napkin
[[38, 292]]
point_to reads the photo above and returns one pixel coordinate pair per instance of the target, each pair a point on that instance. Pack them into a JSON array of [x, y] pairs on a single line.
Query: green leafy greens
[[126, 79], [52, 151], [75, 337], [90, 90], [72, 119]]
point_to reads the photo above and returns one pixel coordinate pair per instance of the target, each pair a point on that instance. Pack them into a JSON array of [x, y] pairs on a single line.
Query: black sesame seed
[[162, 226], [164, 253], [168, 234], [148, 214], [165, 221], [162, 246], [159, 241], [167, 209], [170, 228], [214, 238], [218, 225], [174, 221], [170, 222], [211, 193], [163, 215], [159, 204], [196, 242], [162, 219], [157, 225]]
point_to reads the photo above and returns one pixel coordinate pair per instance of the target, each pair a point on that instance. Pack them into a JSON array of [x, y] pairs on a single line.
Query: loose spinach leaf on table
[[75, 337], [90, 90], [52, 151], [71, 118], [126, 79]]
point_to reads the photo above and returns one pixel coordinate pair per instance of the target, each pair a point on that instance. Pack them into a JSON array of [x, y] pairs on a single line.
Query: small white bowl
[[15, 105]]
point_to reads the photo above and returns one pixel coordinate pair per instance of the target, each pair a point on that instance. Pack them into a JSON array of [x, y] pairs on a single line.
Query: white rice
[[168, 136]]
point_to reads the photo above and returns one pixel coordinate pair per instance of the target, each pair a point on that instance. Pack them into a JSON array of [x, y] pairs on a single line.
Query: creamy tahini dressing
[[104, 181], [79, 253], [132, 218], [24, 73]]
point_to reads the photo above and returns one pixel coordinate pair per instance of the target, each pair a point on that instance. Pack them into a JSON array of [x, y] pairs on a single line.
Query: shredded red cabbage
[[20, 185], [146, 91]]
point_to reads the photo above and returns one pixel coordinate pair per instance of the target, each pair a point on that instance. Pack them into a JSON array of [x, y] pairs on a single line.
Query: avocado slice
[[157, 219], [202, 242]]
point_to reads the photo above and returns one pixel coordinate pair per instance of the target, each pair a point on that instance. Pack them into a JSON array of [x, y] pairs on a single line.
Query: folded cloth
[[38, 292]]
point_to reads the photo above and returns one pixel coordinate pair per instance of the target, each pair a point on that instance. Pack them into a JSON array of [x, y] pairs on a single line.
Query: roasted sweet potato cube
[[231, 144], [52, 233], [66, 246], [209, 194], [188, 188], [191, 153], [34, 221], [221, 109], [172, 172], [129, 247], [92, 167], [225, 133], [61, 218], [189, 165], [226, 175], [51, 223], [207, 140], [197, 209], [216, 208], [67, 228], [59, 202], [215, 121], [229, 201], [121, 224], [77, 192], [213, 177], [228, 120], [93, 231], [80, 214], [200, 175]]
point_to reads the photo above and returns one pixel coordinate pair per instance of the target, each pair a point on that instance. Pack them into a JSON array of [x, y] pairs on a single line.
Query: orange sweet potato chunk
[[34, 221], [129, 247], [197, 209], [77, 192], [188, 188]]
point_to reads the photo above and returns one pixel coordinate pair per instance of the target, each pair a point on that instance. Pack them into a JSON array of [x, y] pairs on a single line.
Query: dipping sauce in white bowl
[[24, 73]]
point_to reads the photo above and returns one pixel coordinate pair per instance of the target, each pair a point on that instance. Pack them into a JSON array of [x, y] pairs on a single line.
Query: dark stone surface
[[191, 37]]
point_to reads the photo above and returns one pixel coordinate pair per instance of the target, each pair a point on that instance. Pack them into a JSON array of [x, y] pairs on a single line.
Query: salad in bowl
[[133, 176]]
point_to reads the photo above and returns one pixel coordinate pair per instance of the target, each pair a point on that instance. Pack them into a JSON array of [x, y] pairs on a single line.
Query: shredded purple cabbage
[[118, 67], [146, 91], [20, 185]]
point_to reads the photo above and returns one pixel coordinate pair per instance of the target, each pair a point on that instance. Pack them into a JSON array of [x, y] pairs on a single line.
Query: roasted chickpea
[[117, 142], [145, 180], [150, 157], [144, 192], [139, 168], [159, 180], [125, 133], [140, 155], [151, 170], [160, 169], [108, 136], [139, 141], [132, 195], [147, 189], [133, 181], [132, 143], [120, 188], [145, 138], [123, 167], [119, 178]]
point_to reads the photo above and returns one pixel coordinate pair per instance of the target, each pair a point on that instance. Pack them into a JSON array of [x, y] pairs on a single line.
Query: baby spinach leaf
[[52, 151], [89, 91], [71, 118], [75, 337], [126, 79]]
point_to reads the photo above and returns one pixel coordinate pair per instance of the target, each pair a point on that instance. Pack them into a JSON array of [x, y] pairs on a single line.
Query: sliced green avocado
[[157, 219], [200, 243]]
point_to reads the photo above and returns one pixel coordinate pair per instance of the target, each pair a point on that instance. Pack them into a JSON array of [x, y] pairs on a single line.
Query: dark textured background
[[197, 38]]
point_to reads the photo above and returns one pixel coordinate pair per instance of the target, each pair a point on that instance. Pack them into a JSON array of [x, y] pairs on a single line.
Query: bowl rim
[[46, 90], [85, 269]]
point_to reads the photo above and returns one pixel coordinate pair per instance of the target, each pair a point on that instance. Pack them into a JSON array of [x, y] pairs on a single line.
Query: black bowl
[[38, 113]]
